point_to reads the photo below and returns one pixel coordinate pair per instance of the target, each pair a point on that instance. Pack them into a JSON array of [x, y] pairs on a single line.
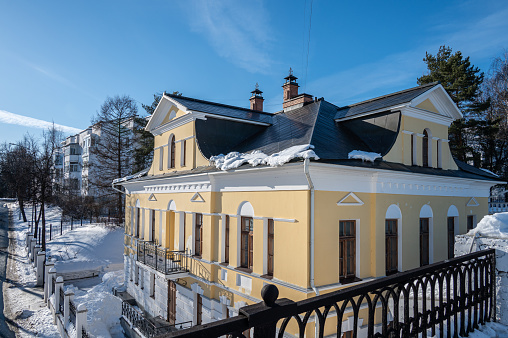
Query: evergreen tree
[[462, 81]]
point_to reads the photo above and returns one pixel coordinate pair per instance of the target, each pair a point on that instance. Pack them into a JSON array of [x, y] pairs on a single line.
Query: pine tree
[[462, 81]]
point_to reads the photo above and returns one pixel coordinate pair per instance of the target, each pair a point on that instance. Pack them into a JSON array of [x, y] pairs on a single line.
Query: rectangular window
[[138, 213], [424, 241], [470, 222], [270, 248], [347, 250], [247, 234], [199, 309], [182, 153], [451, 236], [198, 244], [391, 246], [226, 244], [152, 212], [413, 149]]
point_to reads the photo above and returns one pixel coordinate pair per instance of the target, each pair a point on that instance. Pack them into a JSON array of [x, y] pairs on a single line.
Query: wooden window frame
[[246, 258], [171, 152], [226, 240], [424, 241], [152, 217], [183, 152], [392, 247], [270, 247], [198, 235], [450, 222], [470, 222], [344, 240]]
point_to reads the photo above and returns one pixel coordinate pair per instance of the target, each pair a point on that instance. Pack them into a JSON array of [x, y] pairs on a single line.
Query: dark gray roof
[[382, 102], [222, 109]]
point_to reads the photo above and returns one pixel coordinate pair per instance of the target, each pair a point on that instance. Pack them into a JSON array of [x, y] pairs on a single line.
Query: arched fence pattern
[[446, 299]]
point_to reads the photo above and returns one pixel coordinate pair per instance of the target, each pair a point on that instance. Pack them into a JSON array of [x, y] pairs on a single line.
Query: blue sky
[[59, 60]]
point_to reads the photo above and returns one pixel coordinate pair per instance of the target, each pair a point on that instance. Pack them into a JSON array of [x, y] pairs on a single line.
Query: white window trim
[[357, 246], [398, 217], [431, 230], [196, 290]]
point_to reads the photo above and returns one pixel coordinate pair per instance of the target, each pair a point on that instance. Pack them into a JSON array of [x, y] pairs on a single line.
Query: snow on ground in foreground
[[495, 225], [91, 246], [235, 159], [363, 155]]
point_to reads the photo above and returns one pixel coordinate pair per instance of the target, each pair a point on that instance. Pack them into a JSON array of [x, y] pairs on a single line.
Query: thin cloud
[[20, 120], [481, 39], [237, 30]]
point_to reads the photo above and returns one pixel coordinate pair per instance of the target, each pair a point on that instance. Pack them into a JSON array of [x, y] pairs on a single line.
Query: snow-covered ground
[[87, 247]]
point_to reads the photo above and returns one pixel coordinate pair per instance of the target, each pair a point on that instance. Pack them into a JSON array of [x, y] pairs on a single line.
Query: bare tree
[[113, 149]]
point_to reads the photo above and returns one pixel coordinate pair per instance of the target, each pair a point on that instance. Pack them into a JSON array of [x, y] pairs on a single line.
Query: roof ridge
[[432, 84], [217, 104]]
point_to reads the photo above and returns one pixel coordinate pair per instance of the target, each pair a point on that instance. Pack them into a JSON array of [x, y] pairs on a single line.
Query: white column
[[35, 252], [29, 237], [68, 297], [41, 257], [51, 276], [32, 246], [47, 282], [58, 286], [223, 238], [80, 320]]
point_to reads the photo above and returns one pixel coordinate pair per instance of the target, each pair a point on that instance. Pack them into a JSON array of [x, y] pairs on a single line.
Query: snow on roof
[[131, 177], [235, 159], [490, 172], [492, 226], [363, 155]]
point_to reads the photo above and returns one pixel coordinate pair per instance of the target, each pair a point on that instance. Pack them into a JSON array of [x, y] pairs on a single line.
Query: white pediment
[[440, 99], [197, 198], [350, 200], [152, 197], [164, 113], [473, 202]]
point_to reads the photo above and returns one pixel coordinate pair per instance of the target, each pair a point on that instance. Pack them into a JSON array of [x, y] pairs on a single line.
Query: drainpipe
[[311, 188], [116, 189]]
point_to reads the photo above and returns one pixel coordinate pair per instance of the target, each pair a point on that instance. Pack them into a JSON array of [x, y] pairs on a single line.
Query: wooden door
[[171, 302]]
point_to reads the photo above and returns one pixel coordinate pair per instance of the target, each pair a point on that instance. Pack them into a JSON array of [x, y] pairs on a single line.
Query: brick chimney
[[256, 100], [291, 97]]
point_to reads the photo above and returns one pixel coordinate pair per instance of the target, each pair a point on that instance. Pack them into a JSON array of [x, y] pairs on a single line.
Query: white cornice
[[427, 115], [180, 121], [372, 112]]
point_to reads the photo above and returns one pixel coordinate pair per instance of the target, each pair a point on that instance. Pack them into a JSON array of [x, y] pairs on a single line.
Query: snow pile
[[363, 155], [492, 226], [90, 247], [104, 309], [491, 233], [235, 159]]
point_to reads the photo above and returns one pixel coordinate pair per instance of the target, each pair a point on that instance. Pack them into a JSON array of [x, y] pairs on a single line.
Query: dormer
[[408, 127], [182, 128]]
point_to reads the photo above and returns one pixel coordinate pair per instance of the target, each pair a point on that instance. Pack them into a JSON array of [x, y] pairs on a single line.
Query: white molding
[[197, 198], [152, 198], [351, 194], [178, 122], [203, 116], [372, 112], [427, 116], [472, 202]]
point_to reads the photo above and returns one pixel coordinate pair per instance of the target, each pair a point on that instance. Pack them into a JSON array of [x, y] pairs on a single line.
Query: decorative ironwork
[[84, 334], [147, 327], [447, 298], [72, 313], [61, 305], [161, 259]]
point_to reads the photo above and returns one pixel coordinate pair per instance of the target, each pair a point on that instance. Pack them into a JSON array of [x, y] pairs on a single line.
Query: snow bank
[[363, 155], [492, 226], [235, 159]]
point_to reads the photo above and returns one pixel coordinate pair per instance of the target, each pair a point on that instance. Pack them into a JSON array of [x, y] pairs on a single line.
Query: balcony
[[170, 263]]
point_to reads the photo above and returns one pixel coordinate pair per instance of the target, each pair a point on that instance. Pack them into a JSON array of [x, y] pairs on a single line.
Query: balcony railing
[[148, 327], [449, 298], [161, 259]]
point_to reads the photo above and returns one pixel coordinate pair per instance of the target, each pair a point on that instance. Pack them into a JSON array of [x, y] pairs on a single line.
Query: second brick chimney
[[256, 100], [291, 97]]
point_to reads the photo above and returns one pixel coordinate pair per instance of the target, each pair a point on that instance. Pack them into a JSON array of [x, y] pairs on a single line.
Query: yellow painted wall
[[401, 150], [427, 105]]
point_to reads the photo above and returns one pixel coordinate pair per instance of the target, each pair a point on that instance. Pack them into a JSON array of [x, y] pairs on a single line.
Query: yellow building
[[201, 242]]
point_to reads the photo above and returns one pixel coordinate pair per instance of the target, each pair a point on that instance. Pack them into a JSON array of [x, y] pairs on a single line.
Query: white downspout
[[116, 189], [311, 188]]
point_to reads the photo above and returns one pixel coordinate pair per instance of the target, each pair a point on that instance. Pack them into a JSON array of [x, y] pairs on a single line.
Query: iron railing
[[448, 298], [72, 313], [148, 328], [161, 259]]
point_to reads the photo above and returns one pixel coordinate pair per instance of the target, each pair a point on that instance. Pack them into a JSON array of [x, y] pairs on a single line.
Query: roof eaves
[[371, 112]]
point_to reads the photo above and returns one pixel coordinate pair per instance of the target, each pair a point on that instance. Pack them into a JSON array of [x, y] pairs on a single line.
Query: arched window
[[426, 235], [246, 235], [138, 219], [425, 148], [393, 238], [171, 152]]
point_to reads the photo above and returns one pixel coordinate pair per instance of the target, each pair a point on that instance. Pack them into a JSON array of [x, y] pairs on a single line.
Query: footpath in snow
[[91, 247]]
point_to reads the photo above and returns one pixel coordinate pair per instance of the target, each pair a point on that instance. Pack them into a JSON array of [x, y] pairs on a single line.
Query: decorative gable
[[152, 197], [197, 198], [350, 200], [473, 202]]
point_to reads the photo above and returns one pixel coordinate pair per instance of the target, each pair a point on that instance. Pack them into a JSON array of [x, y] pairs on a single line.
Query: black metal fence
[[147, 327], [72, 313], [448, 298], [161, 259]]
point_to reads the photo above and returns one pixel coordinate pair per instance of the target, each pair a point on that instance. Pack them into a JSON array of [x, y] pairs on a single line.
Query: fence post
[[29, 237], [72, 221], [58, 286], [51, 276], [50, 230], [80, 320], [41, 257], [37, 248], [47, 282], [61, 226], [33, 242], [68, 297]]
